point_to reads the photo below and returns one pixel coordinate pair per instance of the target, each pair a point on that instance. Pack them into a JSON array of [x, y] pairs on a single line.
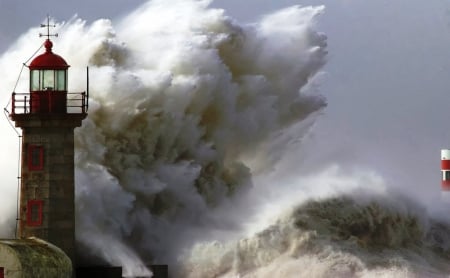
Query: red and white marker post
[[445, 170]]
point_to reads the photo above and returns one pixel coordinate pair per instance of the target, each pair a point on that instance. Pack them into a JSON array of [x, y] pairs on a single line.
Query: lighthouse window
[[54, 80], [35, 158], [34, 80], [447, 176], [48, 80], [34, 212], [61, 80]]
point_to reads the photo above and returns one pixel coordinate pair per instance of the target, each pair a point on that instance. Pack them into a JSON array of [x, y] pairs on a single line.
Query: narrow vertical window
[[34, 80], [35, 158], [2, 272], [48, 81], [34, 213], [447, 176], [61, 80]]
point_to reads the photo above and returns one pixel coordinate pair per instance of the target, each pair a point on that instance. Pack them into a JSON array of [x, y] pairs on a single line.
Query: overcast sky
[[387, 81]]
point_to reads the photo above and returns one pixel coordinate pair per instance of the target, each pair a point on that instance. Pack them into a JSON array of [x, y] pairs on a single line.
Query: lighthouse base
[[33, 257]]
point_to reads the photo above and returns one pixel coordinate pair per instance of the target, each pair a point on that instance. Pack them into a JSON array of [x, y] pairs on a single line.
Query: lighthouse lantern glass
[[34, 80], [61, 80], [52, 80], [49, 80]]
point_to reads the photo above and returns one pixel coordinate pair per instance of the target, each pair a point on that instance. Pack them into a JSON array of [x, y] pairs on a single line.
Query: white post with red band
[[445, 169]]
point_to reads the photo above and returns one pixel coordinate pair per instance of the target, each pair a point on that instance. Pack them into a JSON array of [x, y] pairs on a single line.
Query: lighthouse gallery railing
[[76, 103]]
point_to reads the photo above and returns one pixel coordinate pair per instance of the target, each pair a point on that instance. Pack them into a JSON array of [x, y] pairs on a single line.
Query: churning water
[[190, 115]]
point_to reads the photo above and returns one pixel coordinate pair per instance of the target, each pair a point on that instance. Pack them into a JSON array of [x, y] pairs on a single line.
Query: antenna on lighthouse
[[48, 25]]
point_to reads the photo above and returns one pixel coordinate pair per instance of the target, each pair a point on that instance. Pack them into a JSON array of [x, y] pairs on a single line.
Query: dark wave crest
[[371, 225]]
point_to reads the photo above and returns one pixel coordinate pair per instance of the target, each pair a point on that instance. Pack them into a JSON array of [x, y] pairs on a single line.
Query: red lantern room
[[48, 82], [48, 93]]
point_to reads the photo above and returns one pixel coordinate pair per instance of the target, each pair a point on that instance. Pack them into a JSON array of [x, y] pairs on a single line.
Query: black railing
[[53, 102]]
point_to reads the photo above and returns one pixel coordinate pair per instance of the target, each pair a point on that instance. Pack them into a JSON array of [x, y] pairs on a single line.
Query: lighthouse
[[48, 115], [445, 170]]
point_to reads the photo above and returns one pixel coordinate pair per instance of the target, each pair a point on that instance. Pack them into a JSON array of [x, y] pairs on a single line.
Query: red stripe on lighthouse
[[445, 164]]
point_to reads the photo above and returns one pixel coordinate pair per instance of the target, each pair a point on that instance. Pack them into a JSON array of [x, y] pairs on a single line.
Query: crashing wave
[[334, 237]]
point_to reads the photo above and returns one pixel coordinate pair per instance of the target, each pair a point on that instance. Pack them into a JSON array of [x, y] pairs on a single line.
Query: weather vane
[[48, 25]]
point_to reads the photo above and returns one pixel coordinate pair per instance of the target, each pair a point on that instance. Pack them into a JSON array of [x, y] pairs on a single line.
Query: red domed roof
[[48, 60]]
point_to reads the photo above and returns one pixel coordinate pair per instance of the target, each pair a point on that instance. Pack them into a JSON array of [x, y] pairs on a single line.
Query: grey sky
[[387, 81], [387, 85]]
